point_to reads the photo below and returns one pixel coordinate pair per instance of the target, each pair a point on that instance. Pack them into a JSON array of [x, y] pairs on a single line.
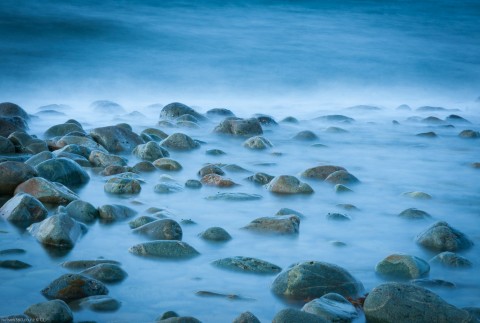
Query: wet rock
[[176, 109], [193, 183], [397, 302], [51, 311], [451, 259], [287, 211], [286, 184], [453, 118], [332, 307], [143, 167], [154, 133], [442, 237], [70, 287], [84, 264], [115, 212], [266, 120], [179, 141], [335, 130], [217, 180], [82, 211], [281, 225], [167, 164], [13, 251], [9, 125], [474, 312], [313, 279], [290, 315], [6, 146], [340, 189], [83, 141], [476, 165], [246, 317], [14, 264], [215, 234], [12, 174], [186, 117], [46, 191], [141, 220], [116, 139], [23, 209], [257, 142], [38, 158], [210, 169], [25, 143], [430, 109], [341, 177], [338, 217], [115, 170], [9, 109], [220, 112], [59, 230], [234, 197], [404, 107], [336, 118], [150, 151], [118, 185], [61, 130], [402, 266], [413, 213], [64, 171], [166, 188], [247, 264], [107, 107], [305, 135], [180, 319], [239, 127], [433, 120], [260, 178], [418, 195], [321, 172], [215, 152], [106, 273], [82, 161], [98, 303], [101, 159], [469, 134], [164, 229], [164, 249], [429, 283], [235, 169], [347, 207], [429, 134]]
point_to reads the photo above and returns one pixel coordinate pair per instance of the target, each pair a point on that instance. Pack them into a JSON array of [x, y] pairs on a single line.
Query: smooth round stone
[[215, 152], [23, 209], [179, 141], [291, 315], [82, 211], [305, 135], [341, 177], [101, 159], [64, 171], [166, 188], [106, 273], [246, 317], [115, 212], [469, 134], [14, 264], [163, 229], [247, 264], [13, 174], [215, 234], [38, 158], [116, 139], [234, 197], [347, 207], [13, 251], [176, 109], [413, 213], [286, 184], [260, 178], [418, 195], [235, 169], [313, 279], [114, 170], [442, 237], [289, 224], [99, 303], [287, 211], [265, 120], [332, 307], [193, 183], [220, 112], [210, 169], [432, 283], [70, 287], [338, 217], [336, 118], [107, 107], [117, 185], [167, 164], [60, 130], [51, 311], [150, 151], [46, 191], [402, 266], [451, 259], [429, 134], [164, 249], [341, 189], [58, 230], [258, 143], [239, 127], [154, 133], [6, 146], [335, 130], [143, 167], [217, 180], [141, 220]]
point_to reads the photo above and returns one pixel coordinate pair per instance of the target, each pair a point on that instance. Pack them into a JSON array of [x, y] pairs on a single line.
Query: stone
[[167, 164], [107, 107], [12, 174], [12, 251], [46, 191], [215, 152], [234, 197], [451, 259], [290, 315], [23, 209], [9, 125], [116, 139], [6, 146], [141, 220], [101, 159], [167, 188], [469, 134], [432, 283], [363, 107], [287, 211], [321, 172], [305, 135], [413, 213], [106, 273], [52, 311], [180, 319], [155, 134], [341, 189], [163, 229], [215, 234], [336, 118], [341, 177], [187, 124], [432, 120], [429, 134], [70, 287], [247, 264], [401, 266], [98, 303], [210, 169], [338, 217], [335, 130], [442, 237], [176, 109], [266, 120], [257, 142], [84, 264], [61, 130], [59, 230], [453, 118], [399, 302], [286, 184], [82, 211], [235, 169], [220, 112], [144, 167], [116, 170], [246, 317], [193, 183], [418, 195], [14, 264], [115, 212], [289, 224], [260, 178], [332, 307], [116, 185], [179, 141], [9, 109], [150, 151], [82, 141], [26, 143], [239, 127], [313, 279], [64, 171], [217, 180], [164, 249]]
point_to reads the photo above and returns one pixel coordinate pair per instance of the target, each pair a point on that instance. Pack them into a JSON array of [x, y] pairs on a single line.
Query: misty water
[[282, 58]]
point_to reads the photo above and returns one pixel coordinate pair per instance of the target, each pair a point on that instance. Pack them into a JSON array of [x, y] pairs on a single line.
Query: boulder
[[82, 211], [8, 109], [26, 143], [59, 230], [217, 180], [320, 172], [442, 237], [6, 146], [150, 151], [239, 127], [451, 259], [86, 142], [61, 130], [290, 315], [332, 307], [399, 302], [163, 229], [164, 249], [51, 311], [46, 191], [115, 212], [176, 109], [287, 211], [117, 185], [106, 273], [402, 266], [167, 164], [23, 209], [257, 142], [246, 317], [12, 174], [413, 213], [313, 279], [40, 157], [64, 171], [215, 234], [143, 167], [247, 264], [116, 139], [289, 224], [101, 159], [69, 287], [155, 134], [341, 177], [9, 125], [179, 141], [286, 184]]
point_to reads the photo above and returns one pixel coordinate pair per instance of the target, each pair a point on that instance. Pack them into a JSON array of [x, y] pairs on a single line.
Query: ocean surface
[[283, 58]]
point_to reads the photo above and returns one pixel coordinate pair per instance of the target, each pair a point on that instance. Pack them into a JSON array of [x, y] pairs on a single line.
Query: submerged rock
[[101, 159], [282, 225], [341, 177], [257, 142], [83, 141], [332, 307], [164, 249], [210, 169], [6, 146], [442, 237], [239, 127], [14, 264], [107, 107], [61, 130], [451, 259], [418, 195], [469, 134], [313, 279], [84, 264], [9, 109], [23, 209], [141, 220], [305, 135], [164, 229], [150, 151], [118, 185], [217, 180], [59, 230], [179, 141], [247, 264], [398, 302], [115, 212], [176, 109], [70, 287], [106, 273], [220, 112], [402, 266], [82, 211], [234, 197], [9, 125], [429, 283], [287, 211], [46, 191], [341, 189], [215, 234], [336, 118], [97, 303], [116, 139], [413, 213], [246, 317], [52, 311], [167, 188], [260, 178], [338, 217], [167, 164], [64, 171], [286, 184], [12, 174], [193, 183]]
